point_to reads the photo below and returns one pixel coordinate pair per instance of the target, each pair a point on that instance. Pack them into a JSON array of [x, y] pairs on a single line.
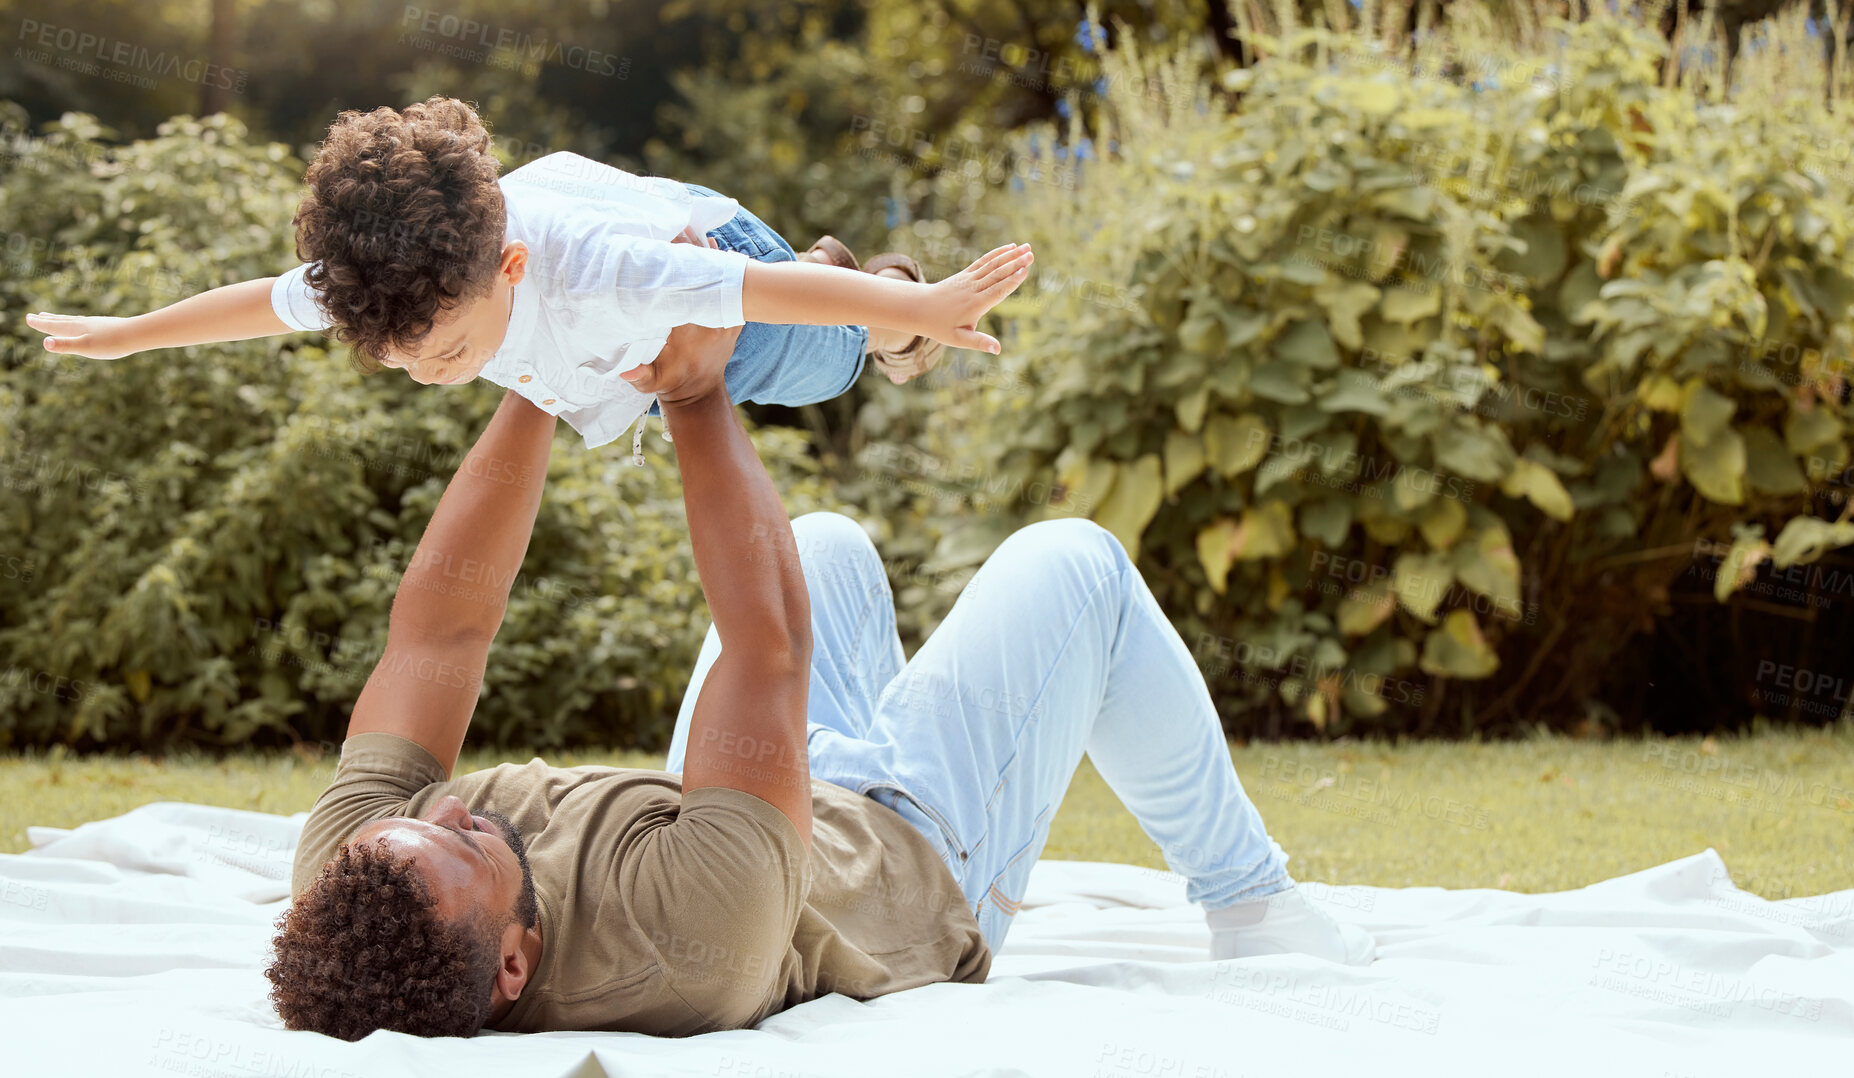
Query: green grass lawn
[[1526, 816]]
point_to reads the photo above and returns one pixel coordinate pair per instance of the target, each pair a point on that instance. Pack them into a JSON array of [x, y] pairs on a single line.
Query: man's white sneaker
[[1286, 923]]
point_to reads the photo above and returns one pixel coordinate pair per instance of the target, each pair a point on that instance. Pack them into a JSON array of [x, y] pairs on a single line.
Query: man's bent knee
[[1070, 540], [833, 543], [830, 528]]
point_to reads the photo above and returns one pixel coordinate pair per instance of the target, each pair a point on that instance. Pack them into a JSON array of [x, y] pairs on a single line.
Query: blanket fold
[[136, 946]]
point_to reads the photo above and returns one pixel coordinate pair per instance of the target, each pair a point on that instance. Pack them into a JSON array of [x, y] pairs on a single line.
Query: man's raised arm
[[747, 731], [453, 594]]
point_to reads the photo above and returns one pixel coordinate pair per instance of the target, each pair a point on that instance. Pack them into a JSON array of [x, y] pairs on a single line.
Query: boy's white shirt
[[603, 288]]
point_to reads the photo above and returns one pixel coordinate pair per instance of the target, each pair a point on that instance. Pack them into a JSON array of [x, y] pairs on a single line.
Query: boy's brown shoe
[[919, 355], [830, 251]]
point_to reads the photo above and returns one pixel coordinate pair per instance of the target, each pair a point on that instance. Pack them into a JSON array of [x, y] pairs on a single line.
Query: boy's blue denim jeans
[[1055, 648], [790, 365]]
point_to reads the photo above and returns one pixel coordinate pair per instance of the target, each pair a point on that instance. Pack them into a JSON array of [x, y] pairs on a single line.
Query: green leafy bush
[[1434, 381], [200, 546]]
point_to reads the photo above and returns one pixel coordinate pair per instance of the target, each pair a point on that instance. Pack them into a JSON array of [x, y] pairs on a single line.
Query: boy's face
[[463, 339]]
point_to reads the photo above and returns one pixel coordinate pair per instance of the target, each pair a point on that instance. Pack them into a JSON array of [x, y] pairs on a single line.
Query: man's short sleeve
[[378, 774], [719, 890], [296, 302]]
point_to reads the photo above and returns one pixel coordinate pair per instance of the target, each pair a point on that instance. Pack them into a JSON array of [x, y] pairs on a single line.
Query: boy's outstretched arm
[[806, 293], [235, 312]]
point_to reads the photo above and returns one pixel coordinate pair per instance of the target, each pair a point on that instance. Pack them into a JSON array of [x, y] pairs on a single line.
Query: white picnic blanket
[[135, 946]]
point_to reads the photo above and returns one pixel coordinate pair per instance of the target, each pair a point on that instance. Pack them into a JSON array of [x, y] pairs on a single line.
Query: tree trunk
[[1223, 30], [216, 88]]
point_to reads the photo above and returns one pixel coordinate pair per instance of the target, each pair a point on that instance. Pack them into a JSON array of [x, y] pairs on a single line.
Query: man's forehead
[[444, 868], [406, 835], [389, 823]]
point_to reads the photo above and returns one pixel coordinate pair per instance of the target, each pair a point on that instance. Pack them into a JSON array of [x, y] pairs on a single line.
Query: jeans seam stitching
[[1037, 700]]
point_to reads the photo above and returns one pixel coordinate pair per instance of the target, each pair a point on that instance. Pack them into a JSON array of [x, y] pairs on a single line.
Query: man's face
[[463, 339], [475, 865]]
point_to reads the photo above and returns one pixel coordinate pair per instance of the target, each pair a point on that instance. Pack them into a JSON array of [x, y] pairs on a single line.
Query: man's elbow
[[408, 624], [786, 656], [784, 649], [798, 630]]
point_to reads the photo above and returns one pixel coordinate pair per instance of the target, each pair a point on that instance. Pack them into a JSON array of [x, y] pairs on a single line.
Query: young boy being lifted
[[561, 280]]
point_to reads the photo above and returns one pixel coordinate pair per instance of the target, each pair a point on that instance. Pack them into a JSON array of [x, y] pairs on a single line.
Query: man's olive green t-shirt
[[675, 914]]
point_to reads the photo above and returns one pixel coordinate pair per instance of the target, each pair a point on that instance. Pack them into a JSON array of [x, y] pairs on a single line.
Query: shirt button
[[548, 401], [526, 378]]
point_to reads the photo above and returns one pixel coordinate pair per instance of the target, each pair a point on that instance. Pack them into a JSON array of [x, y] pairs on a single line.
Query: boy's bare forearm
[[810, 294], [235, 312], [948, 311]]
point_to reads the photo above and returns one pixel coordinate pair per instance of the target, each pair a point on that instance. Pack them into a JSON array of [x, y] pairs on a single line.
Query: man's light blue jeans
[[1056, 647]]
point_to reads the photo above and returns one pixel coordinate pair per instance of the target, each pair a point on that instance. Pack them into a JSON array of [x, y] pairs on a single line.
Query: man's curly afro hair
[[363, 948], [403, 219]]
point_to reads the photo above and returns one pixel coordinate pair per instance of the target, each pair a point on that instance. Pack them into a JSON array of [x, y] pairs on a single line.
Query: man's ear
[[512, 972]]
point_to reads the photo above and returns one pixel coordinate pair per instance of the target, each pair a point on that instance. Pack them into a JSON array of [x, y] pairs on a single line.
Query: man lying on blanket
[[833, 819]]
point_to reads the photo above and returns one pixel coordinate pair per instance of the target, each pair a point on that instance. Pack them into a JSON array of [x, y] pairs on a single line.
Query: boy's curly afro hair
[[403, 219], [363, 948]]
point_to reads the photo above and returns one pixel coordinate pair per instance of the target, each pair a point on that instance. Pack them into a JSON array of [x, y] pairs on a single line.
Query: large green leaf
[[1345, 303], [1811, 429], [1086, 481], [1281, 382], [1262, 532], [1241, 326], [1488, 565], [1191, 407], [1413, 488], [1354, 391], [1545, 254], [1518, 325], [1540, 486], [1421, 582], [1301, 421], [1457, 649], [1184, 459], [1276, 470], [1442, 522], [1132, 502], [1216, 551], [1365, 608], [1201, 334], [1265, 531], [1660, 393], [1740, 565], [1236, 444], [1410, 304], [1327, 520], [1467, 448], [1704, 413], [1716, 469], [1769, 466], [1307, 346], [1804, 539]]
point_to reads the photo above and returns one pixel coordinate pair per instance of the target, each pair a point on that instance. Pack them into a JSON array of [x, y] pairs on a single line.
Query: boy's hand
[[95, 336], [955, 305]]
